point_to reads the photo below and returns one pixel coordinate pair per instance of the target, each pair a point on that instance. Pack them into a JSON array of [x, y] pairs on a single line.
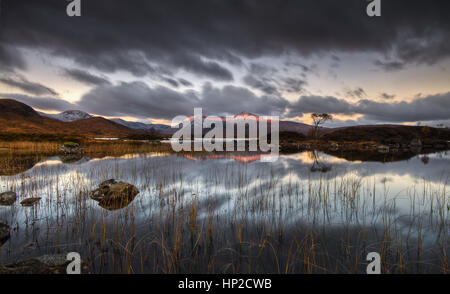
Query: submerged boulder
[[45, 264], [114, 195], [8, 198], [30, 201], [4, 233]]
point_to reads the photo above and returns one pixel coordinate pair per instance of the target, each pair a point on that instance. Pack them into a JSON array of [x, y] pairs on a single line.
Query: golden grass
[[273, 228], [91, 147], [28, 147]]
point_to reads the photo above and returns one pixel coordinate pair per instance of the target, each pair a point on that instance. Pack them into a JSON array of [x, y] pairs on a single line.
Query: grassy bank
[[90, 147]]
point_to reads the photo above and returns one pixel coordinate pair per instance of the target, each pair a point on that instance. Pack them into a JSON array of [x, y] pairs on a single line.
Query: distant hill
[[132, 124], [387, 133], [295, 127], [19, 118], [159, 128], [284, 126]]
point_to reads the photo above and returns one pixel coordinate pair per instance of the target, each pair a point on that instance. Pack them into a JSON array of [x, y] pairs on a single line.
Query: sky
[[152, 60]]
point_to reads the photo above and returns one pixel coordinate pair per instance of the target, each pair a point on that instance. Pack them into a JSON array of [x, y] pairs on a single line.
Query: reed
[[231, 220]]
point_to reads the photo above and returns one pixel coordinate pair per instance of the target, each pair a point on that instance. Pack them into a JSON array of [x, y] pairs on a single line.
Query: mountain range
[[19, 118], [78, 115]]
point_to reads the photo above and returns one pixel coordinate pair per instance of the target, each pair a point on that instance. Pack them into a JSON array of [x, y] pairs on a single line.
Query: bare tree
[[318, 165], [318, 120]]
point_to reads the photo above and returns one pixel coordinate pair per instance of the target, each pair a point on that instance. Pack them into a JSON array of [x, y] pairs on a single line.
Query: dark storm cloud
[[435, 107], [202, 37], [23, 84], [171, 82], [44, 103], [138, 99], [204, 68], [303, 67], [10, 59], [260, 69], [390, 65], [110, 62], [261, 84], [428, 108], [85, 77], [329, 104], [185, 83], [292, 85], [231, 100], [355, 93], [206, 38]]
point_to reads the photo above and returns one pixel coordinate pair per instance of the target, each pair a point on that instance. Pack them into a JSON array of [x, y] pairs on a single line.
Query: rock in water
[[114, 195], [8, 198], [46, 264], [30, 201], [4, 233]]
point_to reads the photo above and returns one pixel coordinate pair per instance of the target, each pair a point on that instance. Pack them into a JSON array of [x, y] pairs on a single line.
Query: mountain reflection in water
[[227, 191]]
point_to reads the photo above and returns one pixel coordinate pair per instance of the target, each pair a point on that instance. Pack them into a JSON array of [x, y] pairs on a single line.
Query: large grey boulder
[[45, 264], [114, 195], [8, 198]]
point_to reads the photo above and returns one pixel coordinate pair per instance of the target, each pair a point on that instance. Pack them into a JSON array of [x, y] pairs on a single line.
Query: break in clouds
[[204, 54]]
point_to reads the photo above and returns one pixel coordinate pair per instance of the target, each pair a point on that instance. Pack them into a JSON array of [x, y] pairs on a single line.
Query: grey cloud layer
[[10, 58], [140, 100], [23, 84], [431, 108], [44, 103], [144, 37], [85, 77], [137, 99]]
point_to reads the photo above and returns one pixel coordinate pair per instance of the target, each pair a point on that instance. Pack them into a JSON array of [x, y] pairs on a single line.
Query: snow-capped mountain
[[68, 115], [162, 129]]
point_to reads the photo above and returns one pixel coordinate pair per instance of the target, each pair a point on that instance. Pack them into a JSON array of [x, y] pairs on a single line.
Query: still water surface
[[409, 198]]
